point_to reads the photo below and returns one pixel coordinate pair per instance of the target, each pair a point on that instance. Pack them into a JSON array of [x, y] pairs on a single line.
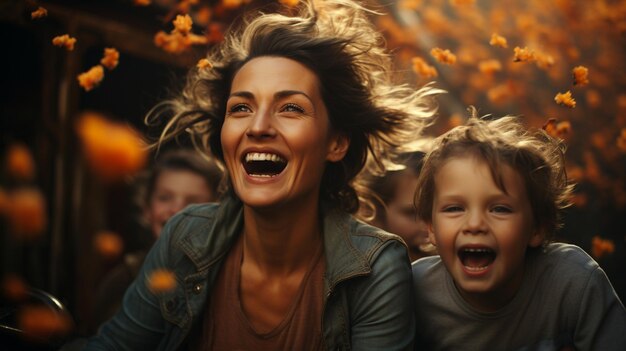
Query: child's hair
[[180, 160], [336, 40], [377, 190], [537, 157]]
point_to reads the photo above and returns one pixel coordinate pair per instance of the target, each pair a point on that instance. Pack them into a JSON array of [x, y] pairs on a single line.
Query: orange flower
[[581, 75], [64, 41], [544, 61], [601, 247], [203, 16], [423, 69], [108, 244], [4, 202], [111, 58], [39, 13], [497, 40], [161, 281], [92, 78], [594, 100], [523, 55], [20, 163], [26, 215], [41, 322], [500, 93], [112, 150], [565, 99], [443, 56]]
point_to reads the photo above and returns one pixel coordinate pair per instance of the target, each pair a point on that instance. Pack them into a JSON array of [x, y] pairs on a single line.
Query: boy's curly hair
[[537, 157]]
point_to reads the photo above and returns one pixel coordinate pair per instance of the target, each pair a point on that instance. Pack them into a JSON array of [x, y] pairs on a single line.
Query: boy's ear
[[537, 237], [431, 233], [338, 147]]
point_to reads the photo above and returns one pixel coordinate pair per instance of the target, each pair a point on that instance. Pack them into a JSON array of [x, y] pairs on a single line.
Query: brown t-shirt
[[226, 327]]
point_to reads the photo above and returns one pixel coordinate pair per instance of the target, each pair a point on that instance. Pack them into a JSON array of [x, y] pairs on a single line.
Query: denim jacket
[[367, 284]]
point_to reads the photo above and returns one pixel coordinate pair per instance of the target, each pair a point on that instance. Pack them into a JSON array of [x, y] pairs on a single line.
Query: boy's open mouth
[[262, 164], [476, 259]]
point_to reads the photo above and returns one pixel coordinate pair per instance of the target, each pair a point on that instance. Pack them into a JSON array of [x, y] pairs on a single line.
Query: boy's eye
[[501, 209], [453, 208], [291, 107]]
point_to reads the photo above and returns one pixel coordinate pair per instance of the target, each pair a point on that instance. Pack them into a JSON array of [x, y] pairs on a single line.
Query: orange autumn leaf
[[39, 13], [565, 99], [20, 163], [183, 24], [92, 78], [423, 69], [108, 244], [601, 247], [232, 4], [557, 129], [204, 63], [499, 41], [111, 58], [523, 54], [41, 322], [112, 150], [161, 281], [64, 41], [443, 56], [26, 215], [490, 66], [581, 75], [289, 3], [142, 2]]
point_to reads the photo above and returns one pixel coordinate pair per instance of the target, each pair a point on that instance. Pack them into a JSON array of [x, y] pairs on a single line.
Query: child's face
[[480, 231], [401, 218], [173, 191]]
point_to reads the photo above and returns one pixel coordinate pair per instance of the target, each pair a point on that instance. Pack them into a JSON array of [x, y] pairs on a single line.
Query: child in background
[[490, 193], [177, 179], [389, 204]]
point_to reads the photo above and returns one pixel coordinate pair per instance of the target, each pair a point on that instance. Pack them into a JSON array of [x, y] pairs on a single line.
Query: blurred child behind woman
[[178, 178], [389, 204]]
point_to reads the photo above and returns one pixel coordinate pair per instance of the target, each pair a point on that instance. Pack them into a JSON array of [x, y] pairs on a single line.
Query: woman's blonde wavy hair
[[535, 156], [337, 41]]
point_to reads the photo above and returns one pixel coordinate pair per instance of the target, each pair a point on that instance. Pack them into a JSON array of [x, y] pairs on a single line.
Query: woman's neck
[[281, 241]]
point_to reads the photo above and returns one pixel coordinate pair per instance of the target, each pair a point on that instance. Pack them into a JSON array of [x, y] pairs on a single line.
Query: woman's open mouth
[[263, 164], [476, 259]]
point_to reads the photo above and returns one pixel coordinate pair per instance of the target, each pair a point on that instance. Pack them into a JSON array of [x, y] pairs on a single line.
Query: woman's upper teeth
[[263, 156]]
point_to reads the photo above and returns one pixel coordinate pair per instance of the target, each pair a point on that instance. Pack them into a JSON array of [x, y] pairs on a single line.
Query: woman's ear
[[338, 147]]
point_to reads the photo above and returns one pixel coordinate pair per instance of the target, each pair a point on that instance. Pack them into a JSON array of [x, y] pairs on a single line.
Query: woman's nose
[[261, 125]]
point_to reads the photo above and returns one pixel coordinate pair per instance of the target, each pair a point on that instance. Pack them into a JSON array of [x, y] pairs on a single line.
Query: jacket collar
[[208, 244]]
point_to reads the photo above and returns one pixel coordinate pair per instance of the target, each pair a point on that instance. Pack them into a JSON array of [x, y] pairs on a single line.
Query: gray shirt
[[565, 300]]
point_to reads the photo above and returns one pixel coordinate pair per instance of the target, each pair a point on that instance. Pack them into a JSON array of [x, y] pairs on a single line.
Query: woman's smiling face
[[276, 135]]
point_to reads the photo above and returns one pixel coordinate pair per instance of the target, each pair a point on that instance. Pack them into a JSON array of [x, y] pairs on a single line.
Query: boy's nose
[[475, 223], [261, 125]]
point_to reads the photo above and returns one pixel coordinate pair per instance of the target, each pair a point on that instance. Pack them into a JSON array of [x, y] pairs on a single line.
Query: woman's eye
[[239, 108], [501, 209], [292, 108]]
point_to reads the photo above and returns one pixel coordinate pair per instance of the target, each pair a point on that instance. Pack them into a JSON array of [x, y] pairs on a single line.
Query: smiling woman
[[294, 106]]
